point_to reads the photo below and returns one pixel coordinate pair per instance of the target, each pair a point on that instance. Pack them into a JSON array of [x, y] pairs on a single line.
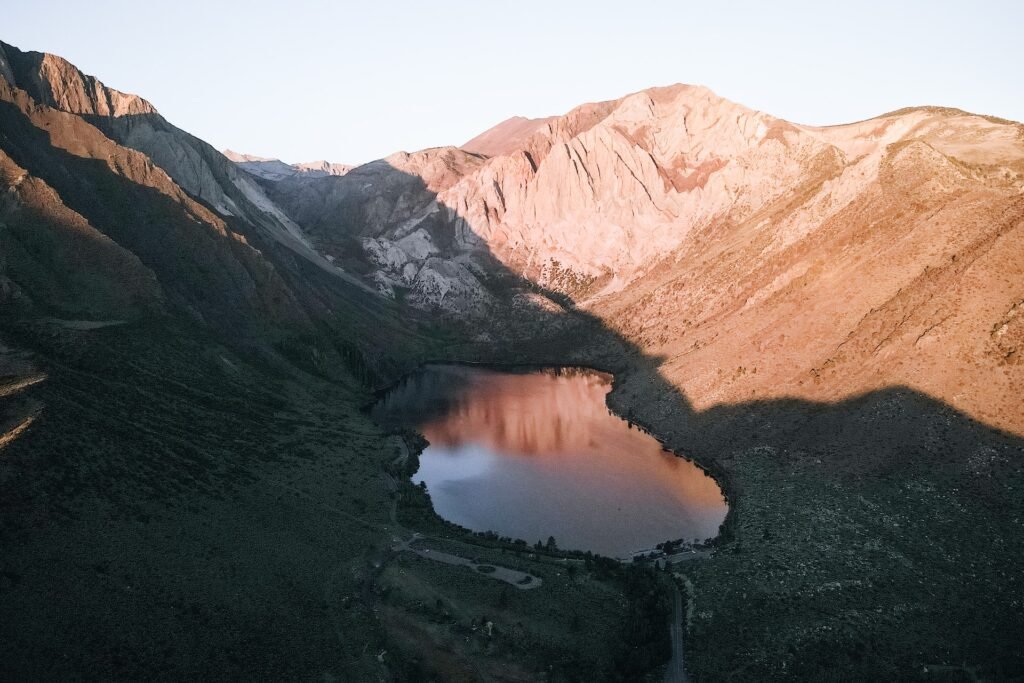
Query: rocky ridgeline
[[714, 236]]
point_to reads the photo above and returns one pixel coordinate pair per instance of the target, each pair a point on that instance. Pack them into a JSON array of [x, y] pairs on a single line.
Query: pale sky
[[355, 81]]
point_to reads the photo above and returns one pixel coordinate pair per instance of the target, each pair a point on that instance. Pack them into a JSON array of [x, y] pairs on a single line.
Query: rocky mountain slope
[[713, 235], [506, 137], [134, 123], [104, 173], [275, 169], [382, 219]]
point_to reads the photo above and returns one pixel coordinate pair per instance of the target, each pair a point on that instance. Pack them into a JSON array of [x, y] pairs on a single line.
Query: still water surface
[[536, 454]]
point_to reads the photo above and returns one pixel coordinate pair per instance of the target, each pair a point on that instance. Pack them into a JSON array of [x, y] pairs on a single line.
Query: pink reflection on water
[[530, 455]]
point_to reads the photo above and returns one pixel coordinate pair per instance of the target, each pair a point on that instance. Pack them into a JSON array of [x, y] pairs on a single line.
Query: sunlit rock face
[[538, 454], [607, 190], [764, 259], [508, 136]]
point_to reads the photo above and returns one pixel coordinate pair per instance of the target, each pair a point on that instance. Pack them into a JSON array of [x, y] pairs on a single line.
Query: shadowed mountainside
[[134, 123], [189, 485]]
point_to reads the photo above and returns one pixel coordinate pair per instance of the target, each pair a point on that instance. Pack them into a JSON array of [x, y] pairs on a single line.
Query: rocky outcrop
[[57, 83], [384, 216]]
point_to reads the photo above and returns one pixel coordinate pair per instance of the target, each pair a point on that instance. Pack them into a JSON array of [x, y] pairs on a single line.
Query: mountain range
[[829, 319], [712, 234]]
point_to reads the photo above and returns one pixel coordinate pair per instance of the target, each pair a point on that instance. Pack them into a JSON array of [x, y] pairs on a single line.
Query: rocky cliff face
[[614, 187], [382, 219], [894, 263]]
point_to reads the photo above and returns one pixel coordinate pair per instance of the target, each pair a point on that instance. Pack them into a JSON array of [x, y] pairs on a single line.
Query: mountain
[[275, 169], [134, 123], [505, 137], [321, 167], [711, 235]]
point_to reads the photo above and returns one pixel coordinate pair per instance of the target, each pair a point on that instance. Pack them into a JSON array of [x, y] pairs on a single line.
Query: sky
[[354, 81]]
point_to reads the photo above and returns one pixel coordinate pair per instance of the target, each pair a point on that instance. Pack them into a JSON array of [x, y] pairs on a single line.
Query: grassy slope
[[168, 514]]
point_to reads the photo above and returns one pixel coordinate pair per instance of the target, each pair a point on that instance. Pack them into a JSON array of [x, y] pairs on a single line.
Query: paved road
[[676, 672], [520, 580]]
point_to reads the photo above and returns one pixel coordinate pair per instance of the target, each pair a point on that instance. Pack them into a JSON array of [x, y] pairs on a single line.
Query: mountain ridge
[[131, 121], [274, 169], [609, 203], [505, 136]]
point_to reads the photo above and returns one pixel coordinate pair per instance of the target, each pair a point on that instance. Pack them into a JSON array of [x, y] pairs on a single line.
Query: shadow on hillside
[[878, 445], [252, 293], [868, 434]]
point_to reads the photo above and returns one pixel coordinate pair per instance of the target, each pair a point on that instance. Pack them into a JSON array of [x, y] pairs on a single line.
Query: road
[[676, 672], [520, 580]]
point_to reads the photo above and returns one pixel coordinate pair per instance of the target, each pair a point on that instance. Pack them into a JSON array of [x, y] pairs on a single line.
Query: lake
[[533, 454]]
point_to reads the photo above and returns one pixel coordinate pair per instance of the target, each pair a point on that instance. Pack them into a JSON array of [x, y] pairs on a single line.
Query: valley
[[826, 320]]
